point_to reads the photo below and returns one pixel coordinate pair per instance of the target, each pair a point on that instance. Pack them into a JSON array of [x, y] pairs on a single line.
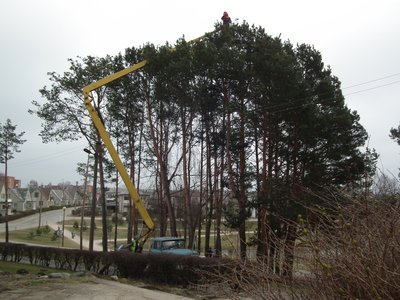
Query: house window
[[36, 194]]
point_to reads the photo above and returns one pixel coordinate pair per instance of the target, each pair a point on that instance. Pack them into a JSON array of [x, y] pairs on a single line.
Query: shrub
[[76, 225], [46, 229], [39, 231], [356, 250], [350, 249], [165, 269], [120, 219]]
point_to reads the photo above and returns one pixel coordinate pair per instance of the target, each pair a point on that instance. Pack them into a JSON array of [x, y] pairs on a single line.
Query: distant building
[[11, 182], [3, 200], [123, 200], [35, 197]]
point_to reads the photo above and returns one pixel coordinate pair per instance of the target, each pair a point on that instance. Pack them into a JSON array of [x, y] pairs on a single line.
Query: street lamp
[[62, 240], [40, 205]]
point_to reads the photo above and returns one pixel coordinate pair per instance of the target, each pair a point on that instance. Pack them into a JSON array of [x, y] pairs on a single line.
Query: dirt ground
[[14, 286]]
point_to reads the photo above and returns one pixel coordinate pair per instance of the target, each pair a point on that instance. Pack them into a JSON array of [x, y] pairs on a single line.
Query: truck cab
[[171, 245]]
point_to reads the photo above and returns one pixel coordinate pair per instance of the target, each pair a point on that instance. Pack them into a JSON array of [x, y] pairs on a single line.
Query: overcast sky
[[358, 39]]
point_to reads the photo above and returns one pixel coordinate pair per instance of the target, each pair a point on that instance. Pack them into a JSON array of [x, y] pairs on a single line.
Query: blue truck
[[171, 245]]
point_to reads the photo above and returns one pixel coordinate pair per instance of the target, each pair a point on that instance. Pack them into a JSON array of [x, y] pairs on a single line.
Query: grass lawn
[[13, 267], [29, 236], [22, 281]]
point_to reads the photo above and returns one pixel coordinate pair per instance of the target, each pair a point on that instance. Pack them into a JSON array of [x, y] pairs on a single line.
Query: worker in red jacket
[[226, 20]]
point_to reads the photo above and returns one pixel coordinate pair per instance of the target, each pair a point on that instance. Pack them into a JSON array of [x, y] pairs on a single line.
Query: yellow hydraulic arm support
[[109, 145]]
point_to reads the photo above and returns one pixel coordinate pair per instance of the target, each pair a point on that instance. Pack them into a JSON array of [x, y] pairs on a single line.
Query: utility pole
[[63, 223], [40, 205], [94, 198]]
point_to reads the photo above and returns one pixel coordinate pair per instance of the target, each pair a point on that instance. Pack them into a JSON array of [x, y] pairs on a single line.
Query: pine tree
[[10, 141]]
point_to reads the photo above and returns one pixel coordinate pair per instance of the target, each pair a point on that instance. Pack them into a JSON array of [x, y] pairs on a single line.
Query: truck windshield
[[175, 244]]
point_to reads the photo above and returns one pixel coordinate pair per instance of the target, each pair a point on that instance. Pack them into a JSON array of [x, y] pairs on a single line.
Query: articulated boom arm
[[109, 145], [135, 198]]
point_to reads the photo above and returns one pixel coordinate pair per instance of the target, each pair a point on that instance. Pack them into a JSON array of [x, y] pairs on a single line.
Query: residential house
[[178, 202], [36, 197], [74, 195], [2, 191], [124, 199], [21, 200], [18, 199], [58, 196], [3, 200], [42, 196], [11, 183]]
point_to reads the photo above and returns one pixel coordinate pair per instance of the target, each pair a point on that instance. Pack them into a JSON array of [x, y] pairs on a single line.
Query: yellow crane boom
[[135, 198]]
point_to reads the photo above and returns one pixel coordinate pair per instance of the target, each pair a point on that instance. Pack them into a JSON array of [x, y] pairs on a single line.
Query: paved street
[[50, 218]]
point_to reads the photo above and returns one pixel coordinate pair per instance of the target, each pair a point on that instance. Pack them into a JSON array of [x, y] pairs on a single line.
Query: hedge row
[[167, 269]]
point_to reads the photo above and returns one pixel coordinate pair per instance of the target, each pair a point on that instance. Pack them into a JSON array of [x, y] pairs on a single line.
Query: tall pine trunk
[[242, 199], [289, 247], [159, 138], [103, 202], [186, 180], [209, 189]]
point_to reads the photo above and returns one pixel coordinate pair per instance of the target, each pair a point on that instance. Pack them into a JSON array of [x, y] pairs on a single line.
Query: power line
[[46, 157], [278, 108], [373, 88], [370, 81]]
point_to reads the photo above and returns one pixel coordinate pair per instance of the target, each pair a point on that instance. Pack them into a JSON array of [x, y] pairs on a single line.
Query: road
[[47, 218], [52, 219]]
